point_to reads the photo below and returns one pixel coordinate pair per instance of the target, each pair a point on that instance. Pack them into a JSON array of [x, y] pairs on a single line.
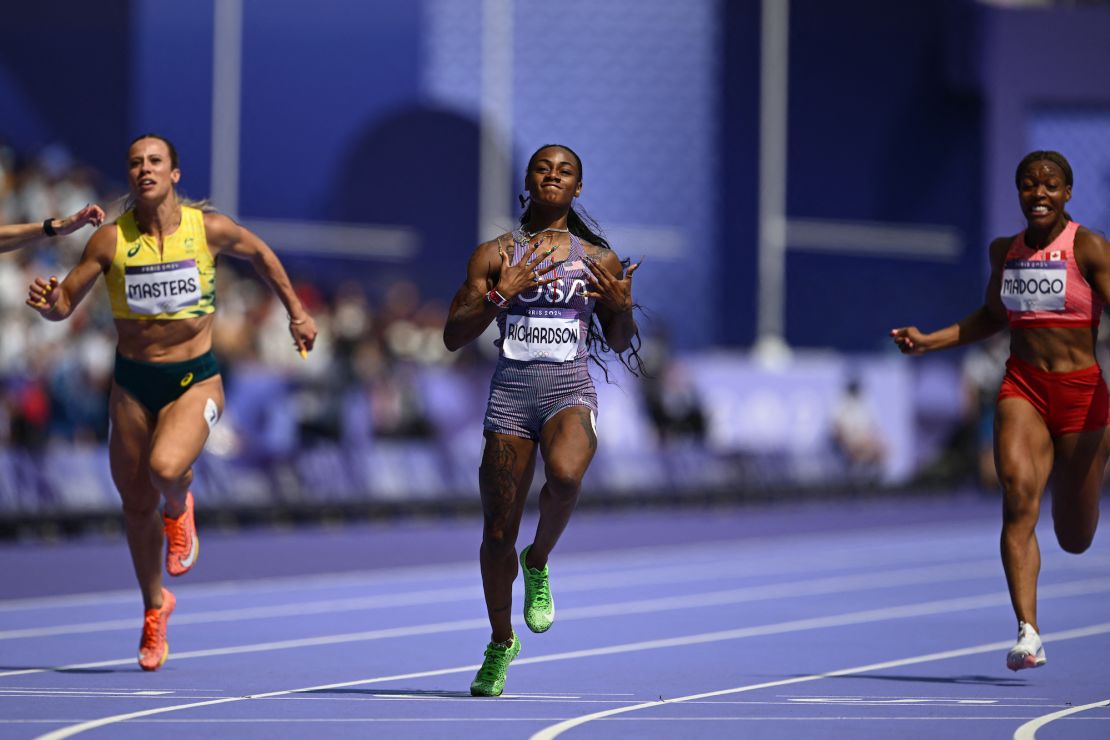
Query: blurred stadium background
[[798, 176]]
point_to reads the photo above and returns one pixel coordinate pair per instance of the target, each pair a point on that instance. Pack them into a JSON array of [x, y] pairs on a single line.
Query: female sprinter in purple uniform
[[543, 284], [1049, 283]]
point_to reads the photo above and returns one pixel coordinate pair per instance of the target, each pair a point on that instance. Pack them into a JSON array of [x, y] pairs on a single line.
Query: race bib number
[[162, 288], [1034, 286], [548, 335]]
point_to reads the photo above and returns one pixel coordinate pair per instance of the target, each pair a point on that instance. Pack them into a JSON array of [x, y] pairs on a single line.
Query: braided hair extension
[[583, 226]]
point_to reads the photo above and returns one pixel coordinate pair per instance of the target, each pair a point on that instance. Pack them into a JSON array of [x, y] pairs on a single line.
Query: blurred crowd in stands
[[364, 379], [377, 371]]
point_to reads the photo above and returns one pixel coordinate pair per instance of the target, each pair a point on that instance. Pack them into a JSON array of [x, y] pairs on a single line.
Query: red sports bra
[[1044, 287]]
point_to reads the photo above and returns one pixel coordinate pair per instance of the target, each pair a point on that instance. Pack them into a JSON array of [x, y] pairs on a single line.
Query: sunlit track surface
[[868, 619]]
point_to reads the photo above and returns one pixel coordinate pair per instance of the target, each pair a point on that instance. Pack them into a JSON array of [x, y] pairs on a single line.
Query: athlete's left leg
[[180, 435], [1076, 486], [568, 442]]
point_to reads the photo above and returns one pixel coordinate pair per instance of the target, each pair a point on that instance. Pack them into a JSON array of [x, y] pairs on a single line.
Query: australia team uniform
[[176, 282], [542, 368], [1044, 288]]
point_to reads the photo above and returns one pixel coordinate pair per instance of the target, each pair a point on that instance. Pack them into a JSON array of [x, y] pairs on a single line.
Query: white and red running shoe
[[1028, 652]]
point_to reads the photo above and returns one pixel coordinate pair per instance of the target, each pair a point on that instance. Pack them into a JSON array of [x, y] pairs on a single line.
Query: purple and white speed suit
[[542, 368]]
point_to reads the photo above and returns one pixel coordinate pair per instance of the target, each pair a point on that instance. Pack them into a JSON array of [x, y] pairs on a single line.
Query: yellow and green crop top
[[179, 283]]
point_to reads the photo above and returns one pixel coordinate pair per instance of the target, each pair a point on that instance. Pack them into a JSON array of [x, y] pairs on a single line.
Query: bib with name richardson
[[548, 323], [543, 333]]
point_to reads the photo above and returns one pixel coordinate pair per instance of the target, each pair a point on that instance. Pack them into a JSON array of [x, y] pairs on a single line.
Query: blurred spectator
[[54, 378], [855, 432], [982, 369], [672, 401], [27, 407]]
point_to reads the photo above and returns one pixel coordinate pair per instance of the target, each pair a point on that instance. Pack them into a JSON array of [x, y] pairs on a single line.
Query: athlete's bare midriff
[[1055, 349], [164, 340]]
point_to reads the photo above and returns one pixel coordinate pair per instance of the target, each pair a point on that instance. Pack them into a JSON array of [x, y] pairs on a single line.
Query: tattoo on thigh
[[497, 472]]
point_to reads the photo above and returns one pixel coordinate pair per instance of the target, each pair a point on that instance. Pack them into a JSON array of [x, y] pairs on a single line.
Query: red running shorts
[[1075, 401]]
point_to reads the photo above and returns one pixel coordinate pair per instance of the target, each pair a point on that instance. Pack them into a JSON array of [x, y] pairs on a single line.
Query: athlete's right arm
[[987, 320], [57, 301], [470, 312], [14, 236], [490, 267]]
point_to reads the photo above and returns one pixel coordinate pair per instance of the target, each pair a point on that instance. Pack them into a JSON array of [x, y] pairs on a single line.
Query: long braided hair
[[583, 226]]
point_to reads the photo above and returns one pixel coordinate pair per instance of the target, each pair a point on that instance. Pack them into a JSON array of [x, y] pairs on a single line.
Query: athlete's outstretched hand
[[909, 340], [304, 334], [614, 292], [90, 214], [42, 294], [515, 279]]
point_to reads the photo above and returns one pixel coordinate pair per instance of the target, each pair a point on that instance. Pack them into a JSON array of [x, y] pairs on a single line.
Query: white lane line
[[809, 587], [871, 615], [638, 557], [330, 606], [1028, 731], [49, 693], [641, 560], [766, 718], [87, 690], [369, 577], [1073, 588], [363, 698], [550, 733], [793, 697], [819, 586]]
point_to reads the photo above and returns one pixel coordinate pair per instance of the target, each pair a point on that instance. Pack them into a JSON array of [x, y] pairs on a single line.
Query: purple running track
[[856, 619]]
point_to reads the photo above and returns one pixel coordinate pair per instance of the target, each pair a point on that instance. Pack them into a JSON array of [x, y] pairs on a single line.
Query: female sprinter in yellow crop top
[[158, 260]]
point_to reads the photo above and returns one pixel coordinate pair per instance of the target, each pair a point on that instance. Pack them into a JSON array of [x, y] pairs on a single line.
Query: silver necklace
[[528, 235]]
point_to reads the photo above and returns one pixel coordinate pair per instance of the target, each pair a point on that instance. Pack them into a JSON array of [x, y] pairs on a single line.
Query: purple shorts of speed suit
[[523, 396], [543, 367]]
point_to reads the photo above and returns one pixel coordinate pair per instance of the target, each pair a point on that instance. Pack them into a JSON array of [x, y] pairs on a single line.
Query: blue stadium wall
[[367, 113]]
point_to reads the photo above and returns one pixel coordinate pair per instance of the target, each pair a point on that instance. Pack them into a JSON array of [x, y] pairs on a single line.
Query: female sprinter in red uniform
[[1049, 283], [159, 262]]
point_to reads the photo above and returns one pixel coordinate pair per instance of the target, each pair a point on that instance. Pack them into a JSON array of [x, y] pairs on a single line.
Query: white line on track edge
[[795, 625], [1028, 731], [549, 733]]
